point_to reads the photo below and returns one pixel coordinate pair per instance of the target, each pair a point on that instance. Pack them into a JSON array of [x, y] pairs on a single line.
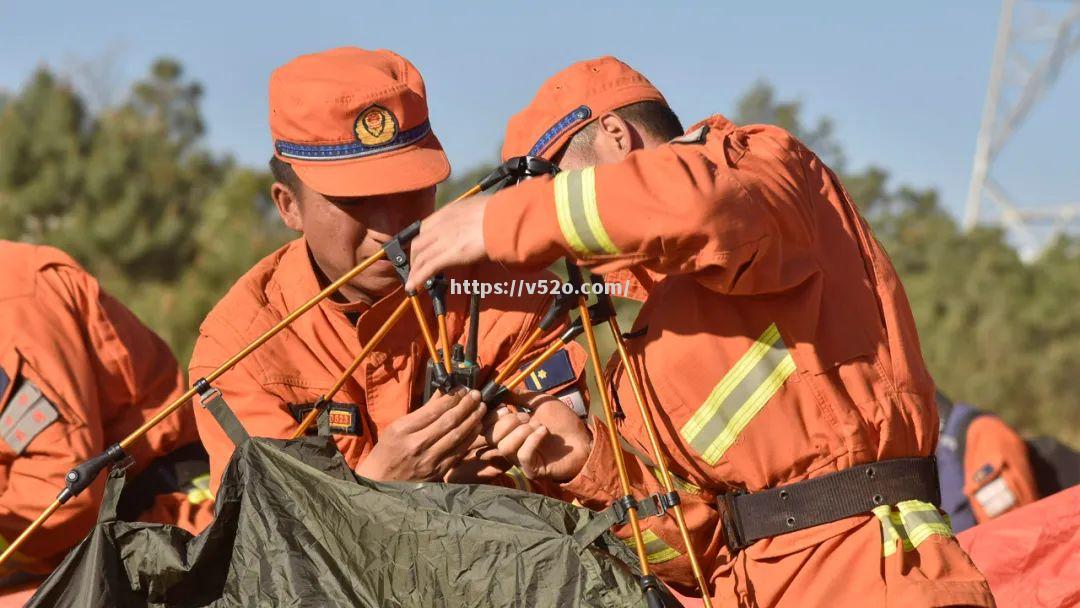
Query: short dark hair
[[654, 117], [283, 172]]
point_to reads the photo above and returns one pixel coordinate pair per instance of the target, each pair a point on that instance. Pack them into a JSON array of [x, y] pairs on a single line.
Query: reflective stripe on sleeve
[[579, 214]]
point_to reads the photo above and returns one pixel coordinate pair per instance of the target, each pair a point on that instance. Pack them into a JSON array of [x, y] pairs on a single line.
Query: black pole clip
[[80, 477], [397, 256], [436, 286]]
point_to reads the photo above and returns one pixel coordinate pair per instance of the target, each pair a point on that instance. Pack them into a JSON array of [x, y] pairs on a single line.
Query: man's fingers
[[460, 436], [433, 410], [504, 426], [513, 441], [532, 463]]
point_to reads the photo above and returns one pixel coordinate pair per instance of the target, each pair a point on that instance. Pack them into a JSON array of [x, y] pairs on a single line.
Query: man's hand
[[425, 444], [452, 236], [552, 444], [482, 464]]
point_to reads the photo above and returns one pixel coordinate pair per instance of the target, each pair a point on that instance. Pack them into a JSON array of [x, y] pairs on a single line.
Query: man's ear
[[615, 139], [288, 206]]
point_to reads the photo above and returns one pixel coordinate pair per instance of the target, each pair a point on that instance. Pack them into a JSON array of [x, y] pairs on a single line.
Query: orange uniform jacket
[[78, 372], [297, 366], [778, 347], [997, 469]]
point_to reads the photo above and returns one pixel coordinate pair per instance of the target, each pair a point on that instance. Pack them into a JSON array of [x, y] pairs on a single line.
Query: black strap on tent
[[114, 487], [212, 400]]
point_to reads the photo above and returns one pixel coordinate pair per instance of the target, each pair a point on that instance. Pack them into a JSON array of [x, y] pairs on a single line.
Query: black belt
[[748, 518]]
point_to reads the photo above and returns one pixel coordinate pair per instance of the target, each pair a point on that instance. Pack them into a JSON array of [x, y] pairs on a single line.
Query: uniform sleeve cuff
[[530, 205], [596, 486]]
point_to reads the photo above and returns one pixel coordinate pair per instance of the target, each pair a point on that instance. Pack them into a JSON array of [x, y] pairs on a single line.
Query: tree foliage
[[130, 192]]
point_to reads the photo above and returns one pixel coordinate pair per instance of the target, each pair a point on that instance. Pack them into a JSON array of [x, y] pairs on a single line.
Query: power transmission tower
[[1034, 40]]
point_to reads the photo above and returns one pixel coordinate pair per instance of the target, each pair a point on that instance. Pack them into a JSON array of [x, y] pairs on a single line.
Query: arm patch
[[344, 417], [25, 415], [552, 373]]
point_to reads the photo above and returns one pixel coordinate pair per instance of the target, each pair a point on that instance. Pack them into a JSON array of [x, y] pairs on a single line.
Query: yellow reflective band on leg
[[739, 396], [579, 214], [892, 530], [679, 483], [656, 550], [922, 520], [889, 535], [913, 522], [201, 492], [518, 477]]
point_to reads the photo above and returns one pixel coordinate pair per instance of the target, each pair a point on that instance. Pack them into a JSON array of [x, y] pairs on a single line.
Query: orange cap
[[353, 122], [571, 99]]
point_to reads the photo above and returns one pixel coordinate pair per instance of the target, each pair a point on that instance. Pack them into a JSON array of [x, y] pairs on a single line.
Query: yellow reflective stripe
[[912, 523], [892, 530], [521, 482], [922, 520], [739, 396], [889, 535], [678, 482], [201, 492], [656, 550], [562, 211], [592, 211], [578, 214]]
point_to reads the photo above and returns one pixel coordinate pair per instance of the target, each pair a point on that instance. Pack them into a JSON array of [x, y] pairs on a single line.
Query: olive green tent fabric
[[295, 527]]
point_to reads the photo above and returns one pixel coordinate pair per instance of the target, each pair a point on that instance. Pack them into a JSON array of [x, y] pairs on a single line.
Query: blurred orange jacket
[[269, 390], [78, 372], [998, 473], [779, 346]]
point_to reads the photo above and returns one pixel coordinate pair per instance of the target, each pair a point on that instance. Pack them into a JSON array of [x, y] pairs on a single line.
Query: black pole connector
[[572, 332], [408, 234], [436, 286], [493, 393], [80, 478], [654, 595], [440, 379], [397, 256], [472, 342], [573, 275], [560, 306], [515, 170]]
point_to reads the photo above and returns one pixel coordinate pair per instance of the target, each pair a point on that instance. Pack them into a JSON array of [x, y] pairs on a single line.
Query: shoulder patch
[[344, 417], [552, 373], [697, 136], [26, 414]]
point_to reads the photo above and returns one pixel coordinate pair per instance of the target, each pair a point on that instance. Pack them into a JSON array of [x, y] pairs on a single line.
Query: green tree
[[131, 193]]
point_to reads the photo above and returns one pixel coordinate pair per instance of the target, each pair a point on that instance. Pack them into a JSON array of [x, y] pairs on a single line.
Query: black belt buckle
[[729, 519]]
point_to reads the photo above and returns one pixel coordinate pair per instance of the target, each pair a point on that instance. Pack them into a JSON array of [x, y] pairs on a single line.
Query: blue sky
[[904, 82]]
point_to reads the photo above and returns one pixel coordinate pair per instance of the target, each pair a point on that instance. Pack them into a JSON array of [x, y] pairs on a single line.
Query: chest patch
[[25, 415], [344, 417], [552, 373]]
